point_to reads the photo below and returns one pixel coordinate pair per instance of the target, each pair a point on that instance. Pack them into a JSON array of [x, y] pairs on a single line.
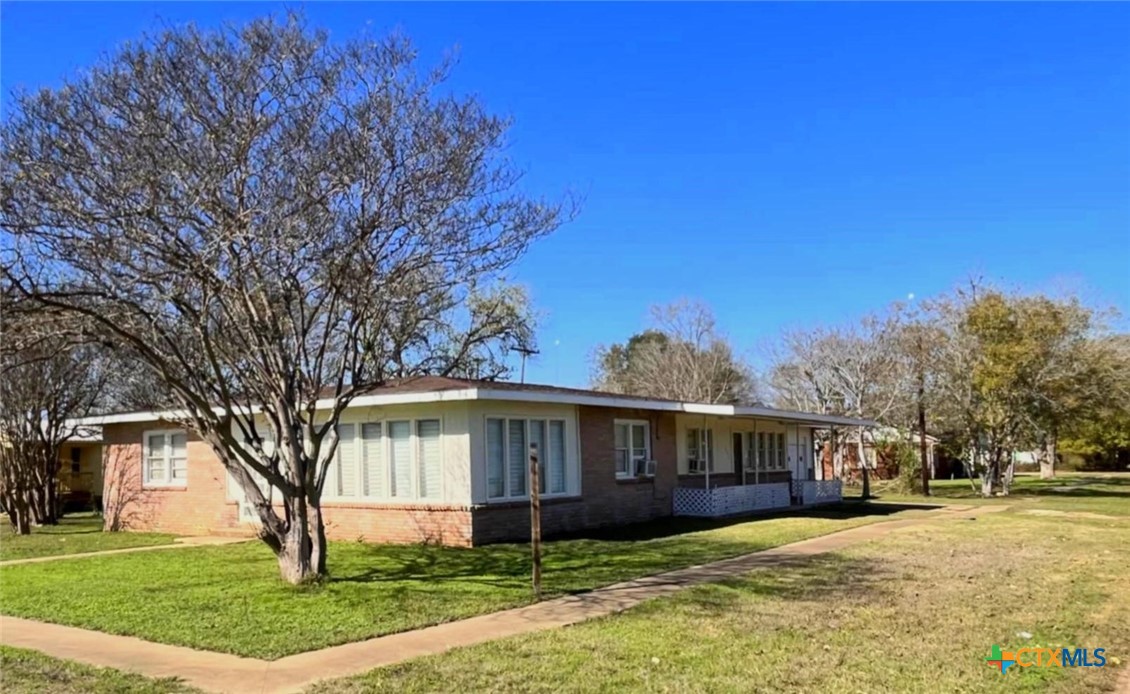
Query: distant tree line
[[988, 371]]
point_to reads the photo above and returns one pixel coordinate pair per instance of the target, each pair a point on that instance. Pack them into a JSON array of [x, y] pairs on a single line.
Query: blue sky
[[788, 164]]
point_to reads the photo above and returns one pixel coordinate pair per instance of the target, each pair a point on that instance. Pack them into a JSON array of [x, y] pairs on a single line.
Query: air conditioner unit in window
[[645, 468]]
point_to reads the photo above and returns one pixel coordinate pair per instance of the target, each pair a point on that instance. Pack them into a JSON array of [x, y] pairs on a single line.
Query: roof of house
[[425, 389]]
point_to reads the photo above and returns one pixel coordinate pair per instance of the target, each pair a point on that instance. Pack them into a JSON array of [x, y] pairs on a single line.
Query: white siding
[[568, 477], [447, 482], [724, 429]]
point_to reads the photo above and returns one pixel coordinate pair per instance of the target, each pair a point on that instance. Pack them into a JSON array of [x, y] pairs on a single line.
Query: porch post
[[757, 457], [707, 442]]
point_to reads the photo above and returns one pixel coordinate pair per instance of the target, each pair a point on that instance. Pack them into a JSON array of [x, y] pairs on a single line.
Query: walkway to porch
[[747, 498]]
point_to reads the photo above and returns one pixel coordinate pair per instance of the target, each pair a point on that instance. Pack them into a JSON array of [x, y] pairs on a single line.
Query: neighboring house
[[877, 444], [80, 470], [446, 460]]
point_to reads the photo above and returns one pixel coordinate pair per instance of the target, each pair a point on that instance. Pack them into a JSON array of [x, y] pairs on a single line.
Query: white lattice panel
[[694, 502], [772, 495], [729, 501], [822, 492]]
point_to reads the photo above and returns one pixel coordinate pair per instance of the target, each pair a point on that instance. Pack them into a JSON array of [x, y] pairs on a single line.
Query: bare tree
[[682, 356], [49, 376], [851, 370], [272, 224]]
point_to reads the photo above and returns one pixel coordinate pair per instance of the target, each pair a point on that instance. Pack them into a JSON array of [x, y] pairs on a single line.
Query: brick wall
[[605, 501], [199, 508], [202, 506]]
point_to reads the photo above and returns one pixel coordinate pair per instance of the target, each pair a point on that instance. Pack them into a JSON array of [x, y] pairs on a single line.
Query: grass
[[917, 611], [29, 672], [1101, 493], [73, 535], [230, 598]]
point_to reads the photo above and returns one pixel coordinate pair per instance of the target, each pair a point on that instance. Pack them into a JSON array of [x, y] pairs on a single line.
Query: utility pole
[[535, 518], [922, 448]]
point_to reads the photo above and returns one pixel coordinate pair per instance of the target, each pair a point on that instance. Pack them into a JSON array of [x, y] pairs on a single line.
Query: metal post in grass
[[535, 518]]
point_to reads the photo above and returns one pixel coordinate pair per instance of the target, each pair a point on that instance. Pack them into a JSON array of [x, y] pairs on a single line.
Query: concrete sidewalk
[[177, 543], [219, 672]]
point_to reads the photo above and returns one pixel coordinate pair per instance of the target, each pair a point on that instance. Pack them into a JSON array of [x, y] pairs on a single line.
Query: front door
[[739, 458]]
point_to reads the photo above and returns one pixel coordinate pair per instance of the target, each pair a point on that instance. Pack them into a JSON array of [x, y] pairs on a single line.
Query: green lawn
[[916, 611], [30, 672], [230, 598], [1102, 493], [73, 535]]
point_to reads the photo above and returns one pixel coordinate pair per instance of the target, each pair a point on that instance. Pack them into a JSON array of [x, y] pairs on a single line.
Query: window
[[400, 458], [395, 460], [428, 458], [700, 450], [768, 451], [166, 459], [508, 442], [633, 448]]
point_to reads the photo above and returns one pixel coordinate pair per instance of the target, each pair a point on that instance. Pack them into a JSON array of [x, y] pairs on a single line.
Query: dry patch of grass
[[917, 611]]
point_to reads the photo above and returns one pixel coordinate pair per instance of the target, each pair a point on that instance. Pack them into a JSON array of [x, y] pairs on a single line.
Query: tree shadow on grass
[[673, 525], [584, 562], [1093, 487], [819, 578]]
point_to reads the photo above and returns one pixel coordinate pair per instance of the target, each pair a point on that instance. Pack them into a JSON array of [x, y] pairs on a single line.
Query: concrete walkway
[[219, 672], [177, 543]]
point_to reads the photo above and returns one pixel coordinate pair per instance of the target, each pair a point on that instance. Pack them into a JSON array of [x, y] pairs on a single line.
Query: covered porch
[[750, 462]]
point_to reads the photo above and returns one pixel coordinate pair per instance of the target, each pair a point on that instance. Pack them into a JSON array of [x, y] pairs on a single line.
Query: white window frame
[[505, 419], [633, 471], [698, 468], [749, 454], [331, 495], [167, 454]]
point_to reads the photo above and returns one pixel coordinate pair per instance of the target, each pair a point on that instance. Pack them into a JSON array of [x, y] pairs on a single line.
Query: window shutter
[[517, 457], [347, 460], [400, 436], [372, 461], [556, 457], [495, 459], [430, 464]]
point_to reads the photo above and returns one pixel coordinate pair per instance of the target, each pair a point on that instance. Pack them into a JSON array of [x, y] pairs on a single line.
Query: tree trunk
[[863, 468], [18, 513], [1047, 458], [1009, 472], [923, 453], [989, 477], [302, 549], [52, 502], [21, 522]]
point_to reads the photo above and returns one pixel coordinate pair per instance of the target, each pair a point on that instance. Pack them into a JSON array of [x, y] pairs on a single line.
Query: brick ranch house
[[446, 460]]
